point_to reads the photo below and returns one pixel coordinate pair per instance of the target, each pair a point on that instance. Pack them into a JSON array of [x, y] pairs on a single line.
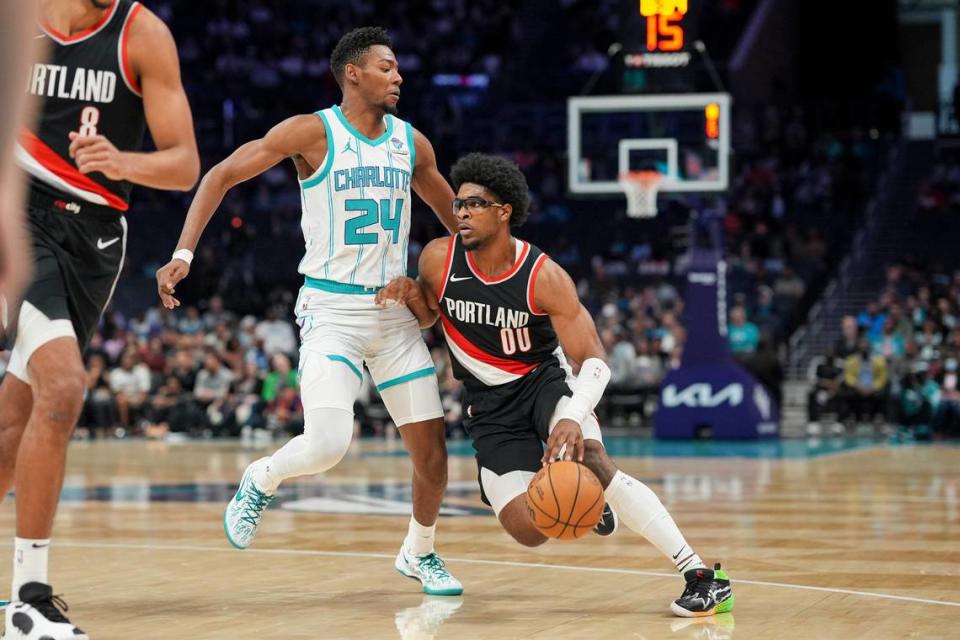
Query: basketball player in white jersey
[[357, 163]]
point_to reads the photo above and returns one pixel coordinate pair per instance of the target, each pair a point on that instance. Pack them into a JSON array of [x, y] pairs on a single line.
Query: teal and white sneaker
[[430, 571], [242, 515]]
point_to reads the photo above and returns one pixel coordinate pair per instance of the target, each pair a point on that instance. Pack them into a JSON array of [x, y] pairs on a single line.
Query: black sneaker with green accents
[[607, 523], [707, 592]]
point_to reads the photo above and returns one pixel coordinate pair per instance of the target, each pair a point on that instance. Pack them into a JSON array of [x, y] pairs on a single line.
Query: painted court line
[[501, 563]]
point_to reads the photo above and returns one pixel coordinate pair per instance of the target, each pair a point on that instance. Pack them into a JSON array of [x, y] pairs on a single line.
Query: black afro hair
[[499, 176], [352, 47]]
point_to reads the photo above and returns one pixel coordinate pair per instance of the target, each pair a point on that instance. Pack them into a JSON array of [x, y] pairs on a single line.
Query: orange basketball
[[565, 500]]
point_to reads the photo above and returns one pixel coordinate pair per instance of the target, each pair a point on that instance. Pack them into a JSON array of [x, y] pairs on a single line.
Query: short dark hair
[[352, 47], [500, 177]]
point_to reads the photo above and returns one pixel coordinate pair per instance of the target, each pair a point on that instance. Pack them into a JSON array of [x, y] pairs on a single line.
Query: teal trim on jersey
[[407, 378], [413, 149], [349, 127], [413, 165], [331, 286], [318, 178], [347, 362]]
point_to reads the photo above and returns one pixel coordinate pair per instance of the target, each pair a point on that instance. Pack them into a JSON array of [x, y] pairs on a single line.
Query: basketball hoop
[[641, 188]]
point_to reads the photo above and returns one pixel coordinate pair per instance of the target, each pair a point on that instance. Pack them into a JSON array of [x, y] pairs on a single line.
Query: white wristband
[[183, 254], [587, 390]]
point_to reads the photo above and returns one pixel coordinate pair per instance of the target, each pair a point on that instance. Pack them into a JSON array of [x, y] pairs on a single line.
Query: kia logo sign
[[708, 279], [701, 395]]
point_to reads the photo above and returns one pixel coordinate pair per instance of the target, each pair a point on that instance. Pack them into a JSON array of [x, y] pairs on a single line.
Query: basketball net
[[641, 188]]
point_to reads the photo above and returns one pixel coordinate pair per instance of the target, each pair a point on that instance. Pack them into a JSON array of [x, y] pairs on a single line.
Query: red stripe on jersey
[[475, 352], [125, 67], [533, 281], [516, 267], [83, 34], [446, 267], [66, 171]]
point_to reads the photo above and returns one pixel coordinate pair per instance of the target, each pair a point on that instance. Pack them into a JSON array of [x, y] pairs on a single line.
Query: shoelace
[[699, 587], [434, 566], [255, 506], [48, 607]]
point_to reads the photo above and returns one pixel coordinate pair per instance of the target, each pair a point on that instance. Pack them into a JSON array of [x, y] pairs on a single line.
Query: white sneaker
[[37, 616], [244, 511], [430, 571], [423, 622]]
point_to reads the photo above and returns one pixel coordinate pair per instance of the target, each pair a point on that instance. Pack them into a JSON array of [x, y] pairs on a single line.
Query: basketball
[[565, 499]]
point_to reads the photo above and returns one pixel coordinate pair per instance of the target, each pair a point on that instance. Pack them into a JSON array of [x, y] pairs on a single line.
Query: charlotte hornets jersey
[[356, 207], [88, 86], [494, 330]]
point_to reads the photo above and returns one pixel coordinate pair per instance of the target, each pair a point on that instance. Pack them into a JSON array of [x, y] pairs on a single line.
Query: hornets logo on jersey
[[356, 207]]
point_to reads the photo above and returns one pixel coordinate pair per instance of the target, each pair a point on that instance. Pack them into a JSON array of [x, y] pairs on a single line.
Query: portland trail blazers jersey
[[495, 332], [87, 86], [356, 207]]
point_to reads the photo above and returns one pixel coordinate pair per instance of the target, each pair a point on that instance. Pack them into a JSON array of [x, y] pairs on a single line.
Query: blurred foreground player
[[511, 316], [112, 69]]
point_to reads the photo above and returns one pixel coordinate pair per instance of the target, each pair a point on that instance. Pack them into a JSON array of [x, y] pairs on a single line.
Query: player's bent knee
[[516, 520], [432, 466], [328, 434]]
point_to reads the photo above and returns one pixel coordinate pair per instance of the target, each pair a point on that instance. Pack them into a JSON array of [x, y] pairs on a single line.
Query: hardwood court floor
[[858, 543]]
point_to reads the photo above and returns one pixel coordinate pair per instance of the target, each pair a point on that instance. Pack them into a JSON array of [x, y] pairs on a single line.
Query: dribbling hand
[[167, 278], [567, 434]]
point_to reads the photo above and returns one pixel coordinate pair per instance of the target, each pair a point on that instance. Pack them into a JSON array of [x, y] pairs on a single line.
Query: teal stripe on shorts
[[410, 376], [347, 362]]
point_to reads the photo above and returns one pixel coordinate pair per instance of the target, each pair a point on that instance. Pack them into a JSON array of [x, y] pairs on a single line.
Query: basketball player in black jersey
[[112, 71], [511, 317]]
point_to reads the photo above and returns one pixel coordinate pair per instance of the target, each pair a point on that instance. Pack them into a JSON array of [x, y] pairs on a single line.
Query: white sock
[[419, 540], [640, 509], [29, 563]]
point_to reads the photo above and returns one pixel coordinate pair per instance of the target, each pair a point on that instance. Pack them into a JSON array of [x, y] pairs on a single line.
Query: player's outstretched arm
[[406, 292], [555, 294], [430, 185], [249, 160], [418, 295], [175, 164]]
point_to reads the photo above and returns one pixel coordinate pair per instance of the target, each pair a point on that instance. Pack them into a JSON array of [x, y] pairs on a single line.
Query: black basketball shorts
[[78, 252], [509, 424]]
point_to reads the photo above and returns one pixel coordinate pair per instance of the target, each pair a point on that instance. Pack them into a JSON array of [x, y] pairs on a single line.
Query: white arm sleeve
[[587, 390]]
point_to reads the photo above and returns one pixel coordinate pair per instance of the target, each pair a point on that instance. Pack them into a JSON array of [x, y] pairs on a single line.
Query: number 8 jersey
[[88, 86], [494, 330], [356, 207]]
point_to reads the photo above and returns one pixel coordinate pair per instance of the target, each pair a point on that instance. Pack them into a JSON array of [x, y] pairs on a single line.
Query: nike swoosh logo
[[103, 245], [40, 546], [454, 278], [679, 552]]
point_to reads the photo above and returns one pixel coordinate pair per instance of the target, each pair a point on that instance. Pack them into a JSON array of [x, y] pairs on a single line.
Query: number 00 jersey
[[356, 207], [86, 86], [495, 332]]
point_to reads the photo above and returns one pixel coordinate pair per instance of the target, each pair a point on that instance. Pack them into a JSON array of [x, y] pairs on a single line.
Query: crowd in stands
[[898, 360], [797, 190]]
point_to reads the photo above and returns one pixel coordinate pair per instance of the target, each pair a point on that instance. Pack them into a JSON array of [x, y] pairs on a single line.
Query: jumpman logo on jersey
[[348, 147]]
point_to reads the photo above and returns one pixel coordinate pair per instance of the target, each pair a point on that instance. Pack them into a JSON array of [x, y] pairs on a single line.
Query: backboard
[[684, 136]]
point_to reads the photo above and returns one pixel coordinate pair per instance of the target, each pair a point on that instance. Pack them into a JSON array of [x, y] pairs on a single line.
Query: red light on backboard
[[712, 114]]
